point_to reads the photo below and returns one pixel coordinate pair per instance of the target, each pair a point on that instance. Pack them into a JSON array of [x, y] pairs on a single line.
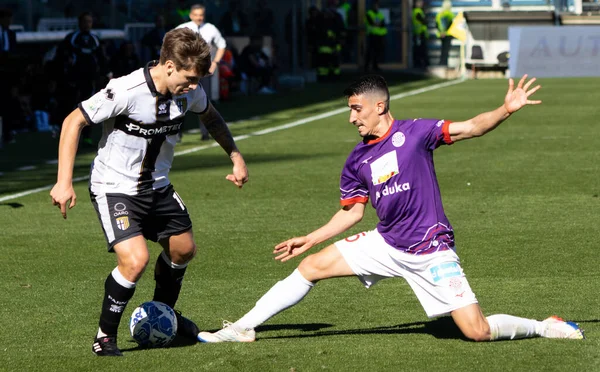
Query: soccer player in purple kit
[[393, 167]]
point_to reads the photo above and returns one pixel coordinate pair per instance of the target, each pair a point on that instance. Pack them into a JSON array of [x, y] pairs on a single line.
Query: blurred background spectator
[[80, 63], [255, 64], [234, 22], [312, 27], [153, 39], [213, 37], [264, 19], [125, 61], [330, 33], [376, 32], [8, 43], [420, 36], [443, 20], [8, 38]]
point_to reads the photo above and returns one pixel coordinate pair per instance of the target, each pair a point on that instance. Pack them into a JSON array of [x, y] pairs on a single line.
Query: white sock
[[173, 265], [284, 294], [503, 327]]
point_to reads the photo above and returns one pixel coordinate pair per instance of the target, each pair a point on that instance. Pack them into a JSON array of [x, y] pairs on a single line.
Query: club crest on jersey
[[398, 139], [384, 168], [123, 223], [181, 104]]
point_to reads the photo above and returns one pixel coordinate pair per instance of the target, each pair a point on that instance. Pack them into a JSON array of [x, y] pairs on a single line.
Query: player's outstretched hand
[[240, 172], [61, 194], [519, 97], [291, 248]]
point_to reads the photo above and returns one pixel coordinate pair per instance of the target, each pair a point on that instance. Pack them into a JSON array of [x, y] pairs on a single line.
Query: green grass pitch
[[524, 202]]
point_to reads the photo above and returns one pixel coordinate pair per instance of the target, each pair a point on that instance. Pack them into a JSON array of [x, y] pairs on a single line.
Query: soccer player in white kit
[[393, 168], [141, 115]]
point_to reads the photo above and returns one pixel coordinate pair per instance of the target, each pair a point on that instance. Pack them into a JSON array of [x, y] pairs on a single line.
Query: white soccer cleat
[[555, 327], [229, 333]]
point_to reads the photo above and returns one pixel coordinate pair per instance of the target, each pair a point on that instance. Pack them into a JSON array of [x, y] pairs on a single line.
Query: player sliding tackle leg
[[417, 246]]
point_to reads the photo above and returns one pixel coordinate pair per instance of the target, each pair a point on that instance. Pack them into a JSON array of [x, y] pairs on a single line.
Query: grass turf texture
[[525, 230]]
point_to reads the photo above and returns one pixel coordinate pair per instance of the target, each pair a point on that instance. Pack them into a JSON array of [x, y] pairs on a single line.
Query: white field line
[[257, 133]]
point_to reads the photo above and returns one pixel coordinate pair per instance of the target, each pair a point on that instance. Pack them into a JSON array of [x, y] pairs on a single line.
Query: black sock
[[168, 281], [115, 299]]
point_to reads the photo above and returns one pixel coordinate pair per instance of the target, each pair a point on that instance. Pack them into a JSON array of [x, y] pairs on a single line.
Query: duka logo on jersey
[[382, 170], [396, 188]]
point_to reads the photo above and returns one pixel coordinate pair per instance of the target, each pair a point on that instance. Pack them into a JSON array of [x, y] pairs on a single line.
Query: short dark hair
[[187, 50], [197, 6], [369, 84], [83, 15]]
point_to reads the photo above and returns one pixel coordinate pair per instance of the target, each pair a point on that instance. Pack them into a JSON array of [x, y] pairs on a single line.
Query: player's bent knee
[[312, 269], [134, 266], [477, 334], [190, 253], [184, 253]]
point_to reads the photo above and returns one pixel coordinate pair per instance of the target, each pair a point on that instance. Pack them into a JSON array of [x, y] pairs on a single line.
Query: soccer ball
[[153, 324]]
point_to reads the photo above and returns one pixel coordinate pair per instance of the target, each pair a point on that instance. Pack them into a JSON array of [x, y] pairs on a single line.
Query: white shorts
[[437, 278]]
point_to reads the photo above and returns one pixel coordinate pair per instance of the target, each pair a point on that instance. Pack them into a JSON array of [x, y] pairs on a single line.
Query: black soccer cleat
[[106, 346], [186, 327]]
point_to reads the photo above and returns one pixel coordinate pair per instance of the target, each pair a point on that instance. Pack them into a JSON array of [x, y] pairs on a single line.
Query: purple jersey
[[396, 172]]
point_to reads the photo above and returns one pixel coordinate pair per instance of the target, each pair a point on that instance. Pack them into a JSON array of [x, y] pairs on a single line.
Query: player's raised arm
[[344, 219], [481, 124], [218, 129], [63, 191]]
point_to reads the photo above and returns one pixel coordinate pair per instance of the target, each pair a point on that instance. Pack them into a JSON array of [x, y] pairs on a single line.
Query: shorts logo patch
[[456, 283], [120, 209], [123, 223], [445, 270]]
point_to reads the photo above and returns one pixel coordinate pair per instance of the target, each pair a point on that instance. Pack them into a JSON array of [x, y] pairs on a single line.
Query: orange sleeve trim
[[358, 199], [446, 132]]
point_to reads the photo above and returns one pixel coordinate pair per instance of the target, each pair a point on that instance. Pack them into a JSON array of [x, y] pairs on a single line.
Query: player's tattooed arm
[[216, 126], [218, 130]]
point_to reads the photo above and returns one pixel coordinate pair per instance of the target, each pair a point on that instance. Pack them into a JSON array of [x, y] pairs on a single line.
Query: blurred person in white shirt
[[211, 34]]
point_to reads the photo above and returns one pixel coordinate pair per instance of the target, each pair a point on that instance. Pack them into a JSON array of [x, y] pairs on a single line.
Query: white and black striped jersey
[[140, 128]]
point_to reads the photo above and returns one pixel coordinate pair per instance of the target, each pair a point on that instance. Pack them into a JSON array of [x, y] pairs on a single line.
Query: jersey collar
[[371, 140], [149, 80]]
